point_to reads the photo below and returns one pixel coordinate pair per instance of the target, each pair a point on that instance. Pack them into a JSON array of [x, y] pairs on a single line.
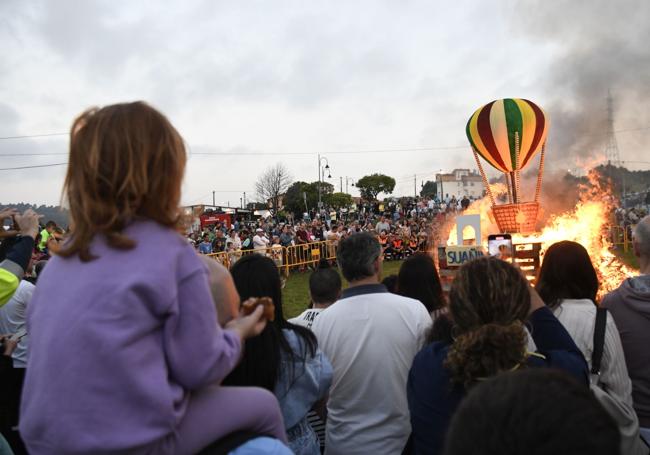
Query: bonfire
[[587, 223]]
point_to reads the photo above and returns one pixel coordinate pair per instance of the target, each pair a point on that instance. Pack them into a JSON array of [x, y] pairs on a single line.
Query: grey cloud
[[599, 46]]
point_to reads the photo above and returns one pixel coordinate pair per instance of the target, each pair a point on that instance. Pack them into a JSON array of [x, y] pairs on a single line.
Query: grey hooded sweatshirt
[[630, 307]]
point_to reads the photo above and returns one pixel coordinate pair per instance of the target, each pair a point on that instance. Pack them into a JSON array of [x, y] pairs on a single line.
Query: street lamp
[[348, 179], [321, 176]]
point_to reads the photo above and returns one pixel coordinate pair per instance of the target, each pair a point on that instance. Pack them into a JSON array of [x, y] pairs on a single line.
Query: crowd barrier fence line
[[619, 236], [285, 258]]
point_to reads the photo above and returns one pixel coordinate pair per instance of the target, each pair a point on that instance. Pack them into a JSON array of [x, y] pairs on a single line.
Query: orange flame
[[586, 224]]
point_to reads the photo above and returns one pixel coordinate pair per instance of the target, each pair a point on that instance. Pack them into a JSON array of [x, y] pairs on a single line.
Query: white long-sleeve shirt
[[578, 316], [12, 320], [260, 242]]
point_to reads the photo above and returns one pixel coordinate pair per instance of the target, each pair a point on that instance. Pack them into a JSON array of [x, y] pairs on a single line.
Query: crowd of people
[[121, 346]]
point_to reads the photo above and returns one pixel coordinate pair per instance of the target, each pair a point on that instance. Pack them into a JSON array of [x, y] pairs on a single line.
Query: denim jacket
[[298, 388]]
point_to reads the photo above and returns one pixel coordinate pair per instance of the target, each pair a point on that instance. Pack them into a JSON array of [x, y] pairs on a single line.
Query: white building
[[459, 183]]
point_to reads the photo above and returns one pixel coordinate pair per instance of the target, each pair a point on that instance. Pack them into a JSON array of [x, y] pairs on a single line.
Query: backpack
[[622, 413]]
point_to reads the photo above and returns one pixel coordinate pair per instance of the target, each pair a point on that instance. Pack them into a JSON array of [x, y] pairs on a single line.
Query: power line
[[32, 154], [31, 167], [251, 153], [29, 136]]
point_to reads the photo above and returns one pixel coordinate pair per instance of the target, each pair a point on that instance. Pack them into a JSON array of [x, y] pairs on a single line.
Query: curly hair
[[489, 302]]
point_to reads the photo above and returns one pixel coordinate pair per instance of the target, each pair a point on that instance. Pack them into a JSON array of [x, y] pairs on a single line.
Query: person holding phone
[[490, 302], [18, 255]]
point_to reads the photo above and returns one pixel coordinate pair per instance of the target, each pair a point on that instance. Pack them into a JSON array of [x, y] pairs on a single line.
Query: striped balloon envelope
[[494, 129]]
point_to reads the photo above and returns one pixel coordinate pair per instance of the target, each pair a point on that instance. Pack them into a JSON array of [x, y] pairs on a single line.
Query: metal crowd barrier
[[285, 258], [619, 236]]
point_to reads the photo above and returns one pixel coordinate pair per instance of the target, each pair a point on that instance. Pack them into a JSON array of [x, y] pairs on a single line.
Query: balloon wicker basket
[[513, 218]]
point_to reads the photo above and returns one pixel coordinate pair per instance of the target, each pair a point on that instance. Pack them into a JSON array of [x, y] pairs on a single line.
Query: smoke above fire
[[594, 47]]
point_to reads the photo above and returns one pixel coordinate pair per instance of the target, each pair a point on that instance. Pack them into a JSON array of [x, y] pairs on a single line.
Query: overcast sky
[[280, 81]]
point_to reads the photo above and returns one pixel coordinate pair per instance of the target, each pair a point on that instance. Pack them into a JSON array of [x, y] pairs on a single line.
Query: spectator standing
[[205, 247], [630, 307], [45, 235], [536, 412], [371, 337], [260, 242], [13, 322], [284, 359], [286, 238], [568, 284], [464, 203], [418, 279], [233, 243], [382, 225], [246, 241], [18, 256], [219, 242], [489, 303], [324, 290]]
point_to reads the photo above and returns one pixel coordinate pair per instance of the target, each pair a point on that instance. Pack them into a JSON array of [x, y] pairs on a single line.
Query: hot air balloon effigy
[[507, 133]]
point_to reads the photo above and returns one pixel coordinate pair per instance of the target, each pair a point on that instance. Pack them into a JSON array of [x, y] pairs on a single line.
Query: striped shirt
[[578, 316]]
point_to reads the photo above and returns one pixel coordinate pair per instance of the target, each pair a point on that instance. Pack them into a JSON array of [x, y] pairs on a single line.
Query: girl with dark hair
[[489, 303], [418, 279], [284, 358], [568, 284]]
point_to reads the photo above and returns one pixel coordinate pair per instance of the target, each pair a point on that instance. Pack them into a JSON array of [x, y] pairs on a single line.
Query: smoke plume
[[594, 47]]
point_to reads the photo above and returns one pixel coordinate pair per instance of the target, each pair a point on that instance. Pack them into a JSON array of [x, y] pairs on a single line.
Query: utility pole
[[341, 183], [611, 149], [415, 185], [241, 202], [319, 197], [327, 166], [245, 199], [213, 202]]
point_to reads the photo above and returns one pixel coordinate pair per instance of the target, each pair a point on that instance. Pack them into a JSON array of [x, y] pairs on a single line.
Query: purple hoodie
[[117, 343], [630, 306]]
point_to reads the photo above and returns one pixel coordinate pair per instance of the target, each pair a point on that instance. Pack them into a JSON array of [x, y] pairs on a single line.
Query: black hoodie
[[630, 306]]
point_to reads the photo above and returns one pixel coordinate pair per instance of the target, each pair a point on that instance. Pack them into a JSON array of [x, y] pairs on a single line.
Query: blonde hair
[[126, 161]]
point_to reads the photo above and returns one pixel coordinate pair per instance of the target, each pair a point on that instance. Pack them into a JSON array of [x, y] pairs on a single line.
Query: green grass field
[[627, 257], [295, 294]]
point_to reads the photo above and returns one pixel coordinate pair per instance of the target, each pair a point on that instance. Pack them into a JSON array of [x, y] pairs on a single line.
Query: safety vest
[[8, 285]]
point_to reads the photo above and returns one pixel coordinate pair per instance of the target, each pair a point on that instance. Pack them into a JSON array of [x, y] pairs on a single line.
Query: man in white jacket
[[260, 242]]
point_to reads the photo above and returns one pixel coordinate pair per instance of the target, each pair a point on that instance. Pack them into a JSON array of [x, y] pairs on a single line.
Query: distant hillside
[[50, 212]]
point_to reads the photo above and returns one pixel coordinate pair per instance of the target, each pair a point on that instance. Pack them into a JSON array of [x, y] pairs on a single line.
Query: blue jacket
[[433, 399]]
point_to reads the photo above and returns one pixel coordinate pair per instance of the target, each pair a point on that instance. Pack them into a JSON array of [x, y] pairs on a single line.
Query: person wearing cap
[[260, 242]]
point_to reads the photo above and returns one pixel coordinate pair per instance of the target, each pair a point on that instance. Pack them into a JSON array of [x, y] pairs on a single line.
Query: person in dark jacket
[[630, 307], [490, 301]]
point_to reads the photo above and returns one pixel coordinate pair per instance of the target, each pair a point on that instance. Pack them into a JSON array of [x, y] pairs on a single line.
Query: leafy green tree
[[294, 201], [429, 189], [338, 200], [371, 185]]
